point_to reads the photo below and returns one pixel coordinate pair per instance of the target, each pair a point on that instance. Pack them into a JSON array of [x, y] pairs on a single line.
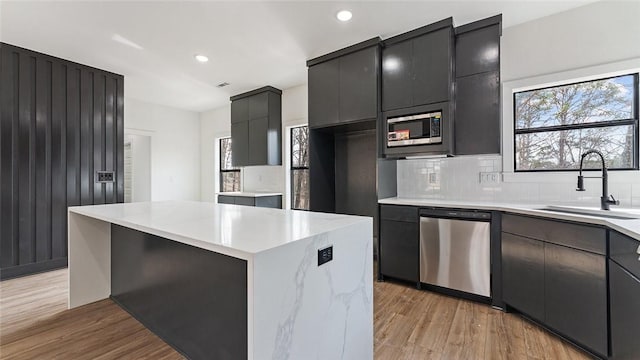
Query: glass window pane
[[300, 189], [561, 150], [300, 146], [230, 181], [581, 103], [225, 154]]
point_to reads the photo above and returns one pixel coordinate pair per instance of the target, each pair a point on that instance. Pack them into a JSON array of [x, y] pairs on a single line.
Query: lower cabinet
[[575, 294], [625, 313], [624, 292], [400, 243], [274, 201], [551, 279], [523, 274]]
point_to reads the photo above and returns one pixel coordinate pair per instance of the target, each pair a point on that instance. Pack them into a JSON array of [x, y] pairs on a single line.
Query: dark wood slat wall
[[60, 122]]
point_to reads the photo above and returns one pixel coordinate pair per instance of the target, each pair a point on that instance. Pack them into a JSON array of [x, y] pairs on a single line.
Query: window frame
[[634, 121], [222, 171], [292, 168]]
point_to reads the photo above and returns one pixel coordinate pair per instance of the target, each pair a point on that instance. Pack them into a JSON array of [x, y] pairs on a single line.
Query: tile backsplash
[[459, 178]]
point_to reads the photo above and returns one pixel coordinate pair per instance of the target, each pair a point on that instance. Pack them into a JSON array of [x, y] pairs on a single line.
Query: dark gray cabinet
[[271, 201], [625, 312], [523, 274], [555, 272], [624, 289], [399, 248], [575, 295], [477, 122], [417, 67], [324, 99], [343, 85], [477, 90], [60, 123], [256, 127]]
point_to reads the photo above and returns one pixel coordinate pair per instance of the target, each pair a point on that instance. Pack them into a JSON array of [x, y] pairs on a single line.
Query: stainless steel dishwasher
[[455, 250]]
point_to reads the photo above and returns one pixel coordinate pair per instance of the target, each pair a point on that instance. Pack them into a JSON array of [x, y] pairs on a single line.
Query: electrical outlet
[[325, 255], [105, 176], [489, 177]]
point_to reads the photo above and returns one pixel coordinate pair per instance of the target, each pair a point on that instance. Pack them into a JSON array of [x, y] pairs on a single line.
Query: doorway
[[137, 168]]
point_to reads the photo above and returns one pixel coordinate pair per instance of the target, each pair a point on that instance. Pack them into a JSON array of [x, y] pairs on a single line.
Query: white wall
[[175, 148], [216, 123], [599, 38]]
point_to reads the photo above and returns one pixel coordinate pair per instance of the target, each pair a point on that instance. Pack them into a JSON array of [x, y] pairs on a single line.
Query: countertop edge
[[622, 226]]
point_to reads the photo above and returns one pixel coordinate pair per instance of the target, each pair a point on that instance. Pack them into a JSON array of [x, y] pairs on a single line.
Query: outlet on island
[[325, 255]]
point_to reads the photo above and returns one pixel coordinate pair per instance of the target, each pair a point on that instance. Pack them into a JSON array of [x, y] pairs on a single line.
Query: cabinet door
[[397, 76], [523, 274], [625, 313], [576, 295], [259, 105], [258, 141], [400, 250], [477, 129], [478, 51], [323, 93], [240, 143], [359, 85], [432, 64], [239, 110]]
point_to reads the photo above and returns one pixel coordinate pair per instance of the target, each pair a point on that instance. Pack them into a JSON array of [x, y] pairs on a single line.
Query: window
[[555, 125], [300, 168], [229, 175]]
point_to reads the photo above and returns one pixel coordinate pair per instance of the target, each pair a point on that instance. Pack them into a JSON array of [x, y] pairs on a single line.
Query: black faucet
[[606, 199]]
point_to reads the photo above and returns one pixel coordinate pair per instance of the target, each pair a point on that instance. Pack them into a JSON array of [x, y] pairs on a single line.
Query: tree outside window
[[555, 125], [229, 175], [300, 168]]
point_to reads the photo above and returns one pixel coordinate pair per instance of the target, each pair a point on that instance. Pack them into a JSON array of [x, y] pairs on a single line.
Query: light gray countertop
[[629, 227]]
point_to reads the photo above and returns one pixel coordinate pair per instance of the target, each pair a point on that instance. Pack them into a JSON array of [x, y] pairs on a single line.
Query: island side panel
[[192, 298], [89, 244], [305, 311]]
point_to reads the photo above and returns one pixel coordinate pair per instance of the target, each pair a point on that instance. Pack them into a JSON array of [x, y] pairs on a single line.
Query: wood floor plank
[[409, 324]]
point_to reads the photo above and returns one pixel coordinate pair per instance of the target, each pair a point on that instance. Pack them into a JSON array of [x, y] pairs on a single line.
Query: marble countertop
[[629, 227], [249, 194], [239, 231]]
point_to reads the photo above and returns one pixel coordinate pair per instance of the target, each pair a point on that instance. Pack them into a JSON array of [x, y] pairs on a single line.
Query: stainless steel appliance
[[416, 129], [455, 250]]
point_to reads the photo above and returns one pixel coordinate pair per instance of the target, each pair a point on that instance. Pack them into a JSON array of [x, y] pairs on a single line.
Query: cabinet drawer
[[583, 237], [624, 251], [399, 213], [244, 200], [224, 199]]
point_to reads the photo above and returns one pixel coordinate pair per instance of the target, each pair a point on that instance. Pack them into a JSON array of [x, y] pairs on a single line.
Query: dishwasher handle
[[456, 214]]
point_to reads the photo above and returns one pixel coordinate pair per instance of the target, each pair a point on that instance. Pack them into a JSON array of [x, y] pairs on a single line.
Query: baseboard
[[32, 268]]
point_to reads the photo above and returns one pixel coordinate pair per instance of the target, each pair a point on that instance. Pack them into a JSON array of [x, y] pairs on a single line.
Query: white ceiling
[[249, 44]]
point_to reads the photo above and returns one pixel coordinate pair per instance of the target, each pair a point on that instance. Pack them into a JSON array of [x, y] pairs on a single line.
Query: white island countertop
[[629, 227], [238, 231]]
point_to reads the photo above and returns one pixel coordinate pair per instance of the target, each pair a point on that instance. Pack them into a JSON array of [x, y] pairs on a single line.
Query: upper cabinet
[[256, 127], [343, 85], [477, 116], [417, 67]]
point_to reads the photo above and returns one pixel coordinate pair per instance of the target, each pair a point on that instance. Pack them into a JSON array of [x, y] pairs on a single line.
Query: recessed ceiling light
[[344, 15], [202, 58]]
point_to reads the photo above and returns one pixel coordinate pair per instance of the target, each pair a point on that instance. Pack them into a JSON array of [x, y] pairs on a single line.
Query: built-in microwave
[[417, 129]]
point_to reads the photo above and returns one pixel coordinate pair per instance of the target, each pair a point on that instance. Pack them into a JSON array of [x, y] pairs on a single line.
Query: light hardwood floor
[[409, 324]]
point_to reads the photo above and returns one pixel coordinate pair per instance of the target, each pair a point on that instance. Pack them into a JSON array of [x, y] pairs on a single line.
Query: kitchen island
[[230, 282]]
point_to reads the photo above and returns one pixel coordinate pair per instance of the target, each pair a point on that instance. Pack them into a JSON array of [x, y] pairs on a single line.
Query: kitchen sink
[[610, 214]]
